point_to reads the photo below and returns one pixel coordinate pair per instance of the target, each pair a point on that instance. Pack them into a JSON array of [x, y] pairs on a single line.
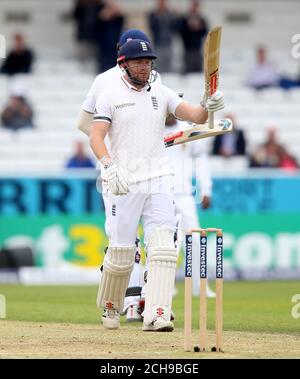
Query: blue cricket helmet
[[130, 34], [136, 49]]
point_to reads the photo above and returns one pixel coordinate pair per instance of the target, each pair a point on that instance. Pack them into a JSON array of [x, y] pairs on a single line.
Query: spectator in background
[[162, 23], [193, 28], [19, 59], [287, 161], [230, 144], [17, 114], [80, 159], [288, 82], [263, 74], [84, 14], [109, 24], [269, 154]]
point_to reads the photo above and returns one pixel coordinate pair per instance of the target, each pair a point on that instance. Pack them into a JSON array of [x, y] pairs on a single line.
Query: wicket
[[188, 346]]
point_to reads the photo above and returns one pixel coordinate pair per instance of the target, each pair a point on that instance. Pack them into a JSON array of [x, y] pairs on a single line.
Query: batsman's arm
[[87, 110], [84, 121], [194, 113], [99, 130]]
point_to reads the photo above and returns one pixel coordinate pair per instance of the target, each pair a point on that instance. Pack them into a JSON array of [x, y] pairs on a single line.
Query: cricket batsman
[[137, 180]]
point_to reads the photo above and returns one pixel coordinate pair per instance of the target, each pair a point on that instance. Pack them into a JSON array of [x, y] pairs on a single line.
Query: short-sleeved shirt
[[102, 81], [136, 133]]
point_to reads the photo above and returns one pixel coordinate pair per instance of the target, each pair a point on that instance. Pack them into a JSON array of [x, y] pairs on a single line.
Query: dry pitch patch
[[21, 339]]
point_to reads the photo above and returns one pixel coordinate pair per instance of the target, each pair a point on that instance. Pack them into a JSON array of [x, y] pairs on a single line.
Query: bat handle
[[211, 120]]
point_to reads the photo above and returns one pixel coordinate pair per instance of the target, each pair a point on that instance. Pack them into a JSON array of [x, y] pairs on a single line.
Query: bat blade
[[197, 132], [211, 65]]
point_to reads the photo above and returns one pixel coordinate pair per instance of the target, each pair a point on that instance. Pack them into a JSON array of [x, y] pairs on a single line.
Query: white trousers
[[151, 202], [184, 205]]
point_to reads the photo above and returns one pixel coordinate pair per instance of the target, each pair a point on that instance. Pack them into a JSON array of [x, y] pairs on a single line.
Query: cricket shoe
[[111, 318], [142, 307], [133, 314], [159, 324]]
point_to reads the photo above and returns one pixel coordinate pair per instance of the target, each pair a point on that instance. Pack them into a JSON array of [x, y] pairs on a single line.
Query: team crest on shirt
[[154, 102]]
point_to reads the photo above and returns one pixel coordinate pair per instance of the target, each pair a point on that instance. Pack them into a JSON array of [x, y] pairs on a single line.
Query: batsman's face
[[140, 68]]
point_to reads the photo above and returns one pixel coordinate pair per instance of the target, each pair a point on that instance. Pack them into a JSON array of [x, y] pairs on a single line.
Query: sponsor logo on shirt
[[119, 106]]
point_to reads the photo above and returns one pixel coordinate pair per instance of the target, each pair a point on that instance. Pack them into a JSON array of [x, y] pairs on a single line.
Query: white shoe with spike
[[111, 318]]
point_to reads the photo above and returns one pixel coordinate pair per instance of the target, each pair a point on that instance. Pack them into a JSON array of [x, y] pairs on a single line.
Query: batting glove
[[215, 102], [115, 178]]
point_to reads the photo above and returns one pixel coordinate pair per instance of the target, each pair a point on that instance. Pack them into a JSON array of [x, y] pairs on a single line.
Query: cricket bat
[[197, 132], [211, 66]]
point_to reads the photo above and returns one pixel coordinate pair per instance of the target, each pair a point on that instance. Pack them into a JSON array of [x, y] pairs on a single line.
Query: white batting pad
[[136, 281], [117, 267], [161, 275]]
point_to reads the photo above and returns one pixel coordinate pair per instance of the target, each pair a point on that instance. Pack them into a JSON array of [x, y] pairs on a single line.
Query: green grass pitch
[[248, 306]]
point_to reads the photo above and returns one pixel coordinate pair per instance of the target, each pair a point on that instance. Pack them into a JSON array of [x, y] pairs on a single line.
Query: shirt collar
[[130, 86]]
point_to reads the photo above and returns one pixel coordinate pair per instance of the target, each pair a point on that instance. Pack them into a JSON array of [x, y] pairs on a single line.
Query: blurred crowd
[[263, 74], [99, 24], [270, 154]]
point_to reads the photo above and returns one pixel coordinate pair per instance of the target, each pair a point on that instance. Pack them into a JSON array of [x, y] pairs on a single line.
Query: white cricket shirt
[[189, 160], [102, 81], [136, 133]]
